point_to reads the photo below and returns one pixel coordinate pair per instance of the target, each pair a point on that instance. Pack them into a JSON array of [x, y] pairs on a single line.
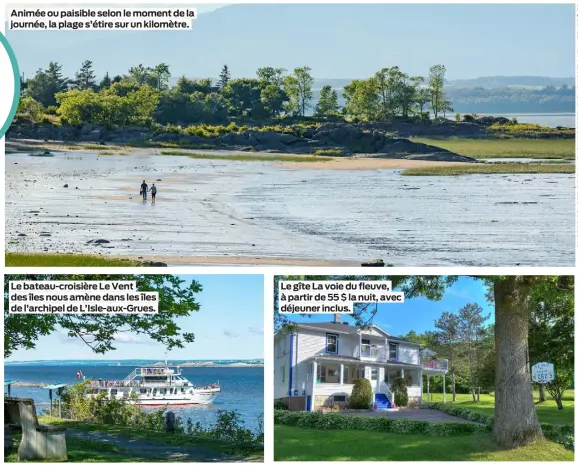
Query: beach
[[340, 212]]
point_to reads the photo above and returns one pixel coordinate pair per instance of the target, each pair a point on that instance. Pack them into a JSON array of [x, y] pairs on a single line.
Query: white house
[[317, 363]]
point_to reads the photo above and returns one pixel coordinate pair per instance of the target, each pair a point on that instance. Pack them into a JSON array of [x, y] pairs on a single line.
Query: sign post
[[542, 372]]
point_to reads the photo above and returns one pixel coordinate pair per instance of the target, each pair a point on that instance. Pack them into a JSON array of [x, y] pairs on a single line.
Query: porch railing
[[435, 364]]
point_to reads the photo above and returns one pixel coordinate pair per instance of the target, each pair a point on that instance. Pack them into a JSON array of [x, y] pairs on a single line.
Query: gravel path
[[430, 415], [158, 451]]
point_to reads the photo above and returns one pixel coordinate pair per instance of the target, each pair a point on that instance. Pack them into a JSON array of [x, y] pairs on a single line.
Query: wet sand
[[212, 212], [371, 163]]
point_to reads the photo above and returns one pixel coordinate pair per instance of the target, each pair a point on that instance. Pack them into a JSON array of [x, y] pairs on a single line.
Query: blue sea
[[241, 387]]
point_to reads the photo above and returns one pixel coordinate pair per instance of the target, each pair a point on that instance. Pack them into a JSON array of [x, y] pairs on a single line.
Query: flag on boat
[[79, 374]]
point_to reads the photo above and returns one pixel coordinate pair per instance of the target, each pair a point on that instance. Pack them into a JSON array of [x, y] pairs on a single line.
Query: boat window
[[182, 390], [113, 391], [143, 390]]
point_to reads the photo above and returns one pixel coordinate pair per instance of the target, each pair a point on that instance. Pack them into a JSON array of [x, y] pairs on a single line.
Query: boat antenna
[[166, 363]]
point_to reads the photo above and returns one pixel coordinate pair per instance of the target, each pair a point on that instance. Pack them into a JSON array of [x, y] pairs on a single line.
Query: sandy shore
[[371, 163], [226, 212], [242, 261], [358, 162]]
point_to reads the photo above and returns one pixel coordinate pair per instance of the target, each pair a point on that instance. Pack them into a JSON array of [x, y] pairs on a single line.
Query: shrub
[[463, 413], [361, 395], [329, 152], [280, 404], [335, 421], [399, 389]]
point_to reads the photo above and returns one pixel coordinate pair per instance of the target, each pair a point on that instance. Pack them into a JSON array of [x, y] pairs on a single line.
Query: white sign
[[542, 372]]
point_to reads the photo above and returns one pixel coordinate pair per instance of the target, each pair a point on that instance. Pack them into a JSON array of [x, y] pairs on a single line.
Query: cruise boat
[[156, 386]]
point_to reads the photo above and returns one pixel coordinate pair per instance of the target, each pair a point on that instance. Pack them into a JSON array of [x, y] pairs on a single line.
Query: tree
[[105, 83], [162, 74], [189, 86], [362, 100], [437, 99], [551, 339], [515, 419], [98, 331], [361, 394], [273, 98], [299, 89], [243, 97], [85, 77], [422, 98], [224, 77], [447, 334], [271, 76], [470, 330], [328, 103], [29, 110], [44, 86]]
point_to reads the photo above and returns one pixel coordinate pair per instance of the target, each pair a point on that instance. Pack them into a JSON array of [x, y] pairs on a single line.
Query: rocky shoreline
[[345, 139]]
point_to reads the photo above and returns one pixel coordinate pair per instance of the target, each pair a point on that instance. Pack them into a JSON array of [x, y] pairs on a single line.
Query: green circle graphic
[[16, 97]]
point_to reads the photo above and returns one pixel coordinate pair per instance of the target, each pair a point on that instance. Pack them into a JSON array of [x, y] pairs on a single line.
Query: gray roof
[[346, 328]]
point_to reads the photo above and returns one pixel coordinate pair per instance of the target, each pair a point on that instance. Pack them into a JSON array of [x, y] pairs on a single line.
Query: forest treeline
[[144, 96], [466, 339]]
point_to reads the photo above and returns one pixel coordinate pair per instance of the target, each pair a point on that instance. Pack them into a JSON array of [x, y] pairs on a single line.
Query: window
[[346, 374], [320, 373], [373, 374], [365, 341], [361, 373], [282, 373], [332, 343], [339, 398], [393, 351]]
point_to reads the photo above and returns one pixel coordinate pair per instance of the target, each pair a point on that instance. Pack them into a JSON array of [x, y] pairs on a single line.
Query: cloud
[[258, 330], [230, 334], [128, 338]]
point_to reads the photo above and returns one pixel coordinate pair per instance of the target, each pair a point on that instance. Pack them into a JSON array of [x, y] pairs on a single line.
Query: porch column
[[402, 373], [428, 394], [312, 406], [444, 389], [341, 374]]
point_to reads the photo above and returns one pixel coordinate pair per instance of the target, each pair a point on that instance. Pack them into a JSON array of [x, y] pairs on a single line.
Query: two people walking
[[144, 189]]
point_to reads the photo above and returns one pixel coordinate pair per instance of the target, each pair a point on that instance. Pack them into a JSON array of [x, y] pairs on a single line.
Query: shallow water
[[223, 208]]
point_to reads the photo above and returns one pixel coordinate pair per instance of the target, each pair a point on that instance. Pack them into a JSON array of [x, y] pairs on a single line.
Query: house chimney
[[336, 318]]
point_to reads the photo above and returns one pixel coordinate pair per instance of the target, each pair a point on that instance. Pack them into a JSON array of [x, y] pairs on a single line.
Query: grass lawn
[[88, 451], [507, 148], [296, 444], [547, 412], [13, 259], [489, 169], [249, 451], [249, 158]]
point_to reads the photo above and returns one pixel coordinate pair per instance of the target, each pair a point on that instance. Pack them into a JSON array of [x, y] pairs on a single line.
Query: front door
[[374, 379]]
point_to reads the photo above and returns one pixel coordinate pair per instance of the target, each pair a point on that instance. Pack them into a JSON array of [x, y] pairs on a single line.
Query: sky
[[419, 314], [229, 325], [336, 40]]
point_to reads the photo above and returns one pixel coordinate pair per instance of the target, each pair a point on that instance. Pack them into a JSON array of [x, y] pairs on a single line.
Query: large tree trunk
[[515, 419], [453, 386], [542, 392]]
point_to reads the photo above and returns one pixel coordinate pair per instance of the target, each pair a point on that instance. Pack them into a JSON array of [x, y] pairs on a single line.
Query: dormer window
[[332, 343]]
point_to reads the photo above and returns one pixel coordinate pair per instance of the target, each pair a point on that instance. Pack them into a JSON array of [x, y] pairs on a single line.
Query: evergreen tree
[[224, 77], [85, 77], [327, 104]]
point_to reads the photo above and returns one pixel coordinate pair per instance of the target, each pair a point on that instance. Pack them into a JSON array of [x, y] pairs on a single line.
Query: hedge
[[559, 433], [462, 413], [332, 421]]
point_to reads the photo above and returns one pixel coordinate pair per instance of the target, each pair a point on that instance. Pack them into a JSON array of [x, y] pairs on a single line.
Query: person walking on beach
[[154, 192], [143, 190]]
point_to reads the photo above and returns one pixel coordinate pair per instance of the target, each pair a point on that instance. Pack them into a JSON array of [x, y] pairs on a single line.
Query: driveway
[[430, 415]]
